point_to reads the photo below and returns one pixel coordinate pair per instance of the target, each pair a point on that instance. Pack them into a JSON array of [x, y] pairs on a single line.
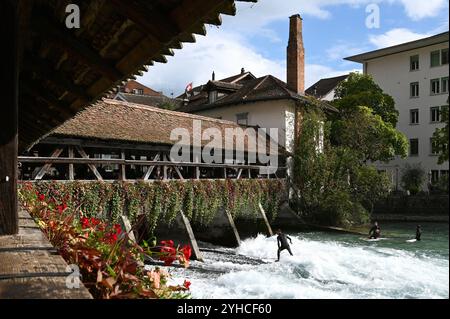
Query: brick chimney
[[296, 56]]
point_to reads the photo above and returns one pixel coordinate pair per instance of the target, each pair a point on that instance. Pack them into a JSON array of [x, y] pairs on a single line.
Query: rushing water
[[327, 265]]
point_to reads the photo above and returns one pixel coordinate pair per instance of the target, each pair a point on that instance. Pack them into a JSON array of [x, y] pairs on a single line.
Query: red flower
[[168, 243], [41, 197], [61, 208], [85, 223], [187, 284], [95, 221], [187, 251], [169, 255], [118, 229]]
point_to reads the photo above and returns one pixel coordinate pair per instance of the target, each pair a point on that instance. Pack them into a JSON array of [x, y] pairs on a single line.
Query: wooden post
[[263, 213], [91, 166], [123, 174], [233, 227], [44, 169], [71, 166], [195, 249], [9, 218], [151, 168]]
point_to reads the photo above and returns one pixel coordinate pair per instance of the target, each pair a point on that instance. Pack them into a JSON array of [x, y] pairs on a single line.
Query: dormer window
[[212, 97]]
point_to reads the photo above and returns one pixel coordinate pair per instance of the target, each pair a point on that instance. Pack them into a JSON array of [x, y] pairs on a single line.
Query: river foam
[[322, 269]]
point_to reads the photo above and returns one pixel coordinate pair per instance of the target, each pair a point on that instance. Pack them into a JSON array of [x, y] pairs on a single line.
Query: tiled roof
[[325, 86], [260, 89], [155, 101], [113, 120]]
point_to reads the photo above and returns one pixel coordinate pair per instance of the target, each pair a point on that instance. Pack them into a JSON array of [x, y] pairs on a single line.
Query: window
[[414, 63], [435, 86], [444, 56], [434, 176], [435, 114], [414, 89], [414, 147], [444, 85], [138, 91], [435, 58], [434, 147], [242, 118], [444, 174], [414, 116]]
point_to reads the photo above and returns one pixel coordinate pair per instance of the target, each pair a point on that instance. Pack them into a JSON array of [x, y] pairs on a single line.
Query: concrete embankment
[[411, 218]]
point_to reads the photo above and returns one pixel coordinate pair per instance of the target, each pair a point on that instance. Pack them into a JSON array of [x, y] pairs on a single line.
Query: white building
[[415, 74]]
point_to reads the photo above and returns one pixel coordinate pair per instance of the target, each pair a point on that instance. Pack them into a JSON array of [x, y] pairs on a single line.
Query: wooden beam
[[239, 173], [266, 221], [151, 168], [91, 166], [9, 218], [71, 166], [46, 71], [62, 37], [151, 21], [123, 174], [233, 227], [197, 254], [44, 169]]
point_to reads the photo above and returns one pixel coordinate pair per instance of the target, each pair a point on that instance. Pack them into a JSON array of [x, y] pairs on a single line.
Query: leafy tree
[[440, 136], [413, 178], [367, 134], [361, 90]]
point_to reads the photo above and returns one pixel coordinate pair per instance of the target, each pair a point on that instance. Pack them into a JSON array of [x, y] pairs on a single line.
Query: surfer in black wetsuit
[[375, 231], [418, 232], [283, 243]]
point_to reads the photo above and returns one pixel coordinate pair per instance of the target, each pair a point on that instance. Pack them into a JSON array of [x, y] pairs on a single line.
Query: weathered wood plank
[[44, 169], [9, 118], [91, 166], [263, 214]]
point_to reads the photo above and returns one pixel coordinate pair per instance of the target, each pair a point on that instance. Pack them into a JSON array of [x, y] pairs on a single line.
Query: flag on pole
[[189, 87]]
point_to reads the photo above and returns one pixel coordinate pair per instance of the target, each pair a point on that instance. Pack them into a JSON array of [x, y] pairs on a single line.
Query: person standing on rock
[[283, 243]]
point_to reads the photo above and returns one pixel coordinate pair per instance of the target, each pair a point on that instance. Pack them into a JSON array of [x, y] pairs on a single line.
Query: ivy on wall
[[160, 202]]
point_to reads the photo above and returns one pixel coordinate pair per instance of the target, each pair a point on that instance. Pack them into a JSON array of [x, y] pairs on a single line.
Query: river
[[327, 265]]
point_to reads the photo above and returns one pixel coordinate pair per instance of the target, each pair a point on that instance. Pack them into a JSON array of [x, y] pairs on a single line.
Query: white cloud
[[222, 52], [420, 9], [396, 36]]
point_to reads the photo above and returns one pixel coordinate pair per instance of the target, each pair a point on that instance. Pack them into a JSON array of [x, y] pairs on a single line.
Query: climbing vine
[[160, 202]]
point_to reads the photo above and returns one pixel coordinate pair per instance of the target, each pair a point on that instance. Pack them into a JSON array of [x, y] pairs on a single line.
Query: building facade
[[415, 74]]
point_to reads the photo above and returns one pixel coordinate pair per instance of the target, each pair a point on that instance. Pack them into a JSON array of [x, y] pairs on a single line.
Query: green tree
[[361, 89], [369, 136], [440, 136]]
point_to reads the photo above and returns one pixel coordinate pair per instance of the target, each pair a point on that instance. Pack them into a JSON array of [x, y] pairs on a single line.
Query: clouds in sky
[[227, 49]]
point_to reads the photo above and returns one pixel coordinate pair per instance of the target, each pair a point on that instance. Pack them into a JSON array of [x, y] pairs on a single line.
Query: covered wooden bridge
[[116, 140], [50, 71]]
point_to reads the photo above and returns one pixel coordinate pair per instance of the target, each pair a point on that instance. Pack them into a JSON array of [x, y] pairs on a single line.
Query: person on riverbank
[[418, 232], [375, 231], [282, 241]]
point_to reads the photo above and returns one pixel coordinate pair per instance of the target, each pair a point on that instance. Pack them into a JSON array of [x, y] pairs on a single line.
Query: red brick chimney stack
[[296, 56]]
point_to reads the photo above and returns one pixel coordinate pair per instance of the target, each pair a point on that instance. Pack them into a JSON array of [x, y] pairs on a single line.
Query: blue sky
[[257, 36]]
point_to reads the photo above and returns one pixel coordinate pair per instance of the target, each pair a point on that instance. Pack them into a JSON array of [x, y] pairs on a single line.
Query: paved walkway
[[30, 268]]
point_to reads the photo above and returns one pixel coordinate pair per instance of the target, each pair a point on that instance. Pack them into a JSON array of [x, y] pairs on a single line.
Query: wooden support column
[[151, 168], [9, 219], [91, 166], [197, 254], [123, 169], [239, 173], [44, 169], [71, 166], [233, 227], [264, 216]]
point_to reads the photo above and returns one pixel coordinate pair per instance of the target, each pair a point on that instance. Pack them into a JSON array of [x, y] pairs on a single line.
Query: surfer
[[283, 243], [375, 231], [418, 232]]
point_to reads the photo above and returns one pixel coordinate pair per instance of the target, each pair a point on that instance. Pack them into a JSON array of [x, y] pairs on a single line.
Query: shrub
[[413, 178]]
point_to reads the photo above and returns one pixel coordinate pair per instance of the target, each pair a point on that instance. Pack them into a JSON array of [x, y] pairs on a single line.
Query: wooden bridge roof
[[63, 70], [118, 121]]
